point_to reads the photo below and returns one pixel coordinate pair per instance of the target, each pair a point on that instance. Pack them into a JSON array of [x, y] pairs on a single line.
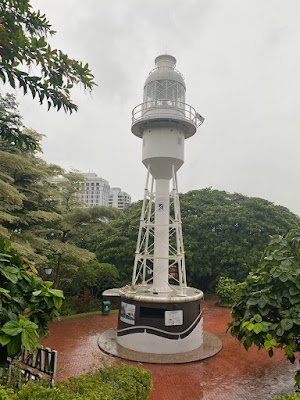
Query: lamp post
[[48, 270]]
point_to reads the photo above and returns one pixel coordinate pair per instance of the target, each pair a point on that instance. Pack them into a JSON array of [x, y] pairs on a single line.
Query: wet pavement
[[233, 374]]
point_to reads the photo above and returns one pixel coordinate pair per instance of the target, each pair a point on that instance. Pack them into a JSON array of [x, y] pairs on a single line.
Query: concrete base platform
[[211, 346]]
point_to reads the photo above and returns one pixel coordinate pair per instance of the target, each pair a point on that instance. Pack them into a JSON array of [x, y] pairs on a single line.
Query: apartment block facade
[[95, 191], [118, 198]]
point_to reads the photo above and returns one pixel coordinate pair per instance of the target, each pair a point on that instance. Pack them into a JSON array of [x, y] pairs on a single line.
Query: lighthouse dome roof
[[165, 70]]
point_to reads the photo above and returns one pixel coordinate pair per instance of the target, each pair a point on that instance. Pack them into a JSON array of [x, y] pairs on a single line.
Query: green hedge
[[291, 396], [122, 382], [6, 393]]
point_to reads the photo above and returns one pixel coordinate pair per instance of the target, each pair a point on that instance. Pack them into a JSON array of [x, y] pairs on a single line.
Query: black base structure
[[163, 323]]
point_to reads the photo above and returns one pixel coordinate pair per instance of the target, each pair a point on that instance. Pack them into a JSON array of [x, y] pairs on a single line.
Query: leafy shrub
[[92, 305], [27, 303], [290, 396], [41, 391], [5, 393], [120, 382], [69, 305], [76, 305], [267, 311], [226, 291]]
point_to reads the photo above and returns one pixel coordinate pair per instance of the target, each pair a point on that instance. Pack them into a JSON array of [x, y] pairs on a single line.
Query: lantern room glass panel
[[164, 93]]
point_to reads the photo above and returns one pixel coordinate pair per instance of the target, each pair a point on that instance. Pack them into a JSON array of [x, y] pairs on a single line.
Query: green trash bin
[[105, 307]]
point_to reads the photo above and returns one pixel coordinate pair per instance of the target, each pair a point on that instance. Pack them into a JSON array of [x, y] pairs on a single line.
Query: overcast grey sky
[[241, 63]]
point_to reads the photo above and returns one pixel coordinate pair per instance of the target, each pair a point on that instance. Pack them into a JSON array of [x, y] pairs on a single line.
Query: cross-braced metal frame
[[144, 263]]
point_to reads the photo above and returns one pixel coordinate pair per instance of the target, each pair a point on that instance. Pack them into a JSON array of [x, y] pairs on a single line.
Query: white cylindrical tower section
[[161, 237], [163, 146]]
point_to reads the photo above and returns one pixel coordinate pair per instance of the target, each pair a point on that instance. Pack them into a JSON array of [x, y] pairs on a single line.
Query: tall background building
[[97, 192], [118, 199]]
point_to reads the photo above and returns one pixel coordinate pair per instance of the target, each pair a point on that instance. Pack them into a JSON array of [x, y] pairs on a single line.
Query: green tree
[[65, 237], [34, 214], [27, 303], [117, 241], [267, 311], [224, 234], [102, 277], [92, 275], [45, 222], [12, 131], [23, 42], [27, 199]]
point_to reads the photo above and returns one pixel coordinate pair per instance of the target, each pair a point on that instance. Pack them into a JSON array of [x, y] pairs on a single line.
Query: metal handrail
[[185, 111], [165, 67]]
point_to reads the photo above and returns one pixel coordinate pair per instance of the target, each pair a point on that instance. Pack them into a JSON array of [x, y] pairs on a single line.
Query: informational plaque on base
[[174, 317]]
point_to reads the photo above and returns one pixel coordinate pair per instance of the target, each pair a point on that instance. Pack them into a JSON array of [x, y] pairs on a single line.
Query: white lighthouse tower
[[160, 319], [163, 121], [159, 313]]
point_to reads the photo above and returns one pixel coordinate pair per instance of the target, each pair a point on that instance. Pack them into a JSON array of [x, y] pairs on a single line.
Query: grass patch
[[86, 314]]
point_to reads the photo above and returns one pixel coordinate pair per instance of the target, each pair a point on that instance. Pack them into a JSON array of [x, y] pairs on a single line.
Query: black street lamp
[[48, 270]]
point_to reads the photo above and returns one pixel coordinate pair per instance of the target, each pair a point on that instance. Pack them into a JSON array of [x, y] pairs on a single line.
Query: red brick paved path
[[233, 374]]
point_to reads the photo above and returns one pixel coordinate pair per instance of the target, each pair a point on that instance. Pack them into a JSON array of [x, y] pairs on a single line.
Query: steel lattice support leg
[[179, 236]]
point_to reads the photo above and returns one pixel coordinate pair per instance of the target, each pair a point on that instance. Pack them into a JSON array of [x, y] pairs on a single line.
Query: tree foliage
[[13, 134], [93, 275], [116, 241], [226, 290], [27, 199], [267, 312], [27, 59], [65, 238], [224, 234], [46, 223]]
